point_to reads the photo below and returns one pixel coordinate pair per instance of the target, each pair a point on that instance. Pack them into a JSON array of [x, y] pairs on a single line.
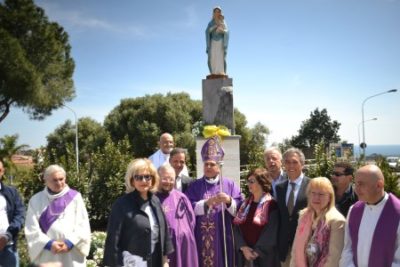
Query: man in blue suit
[[12, 217]]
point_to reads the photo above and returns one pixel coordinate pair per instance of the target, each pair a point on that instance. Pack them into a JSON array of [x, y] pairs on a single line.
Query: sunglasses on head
[[141, 177]]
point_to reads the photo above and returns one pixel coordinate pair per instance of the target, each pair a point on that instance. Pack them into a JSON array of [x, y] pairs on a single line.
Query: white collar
[[59, 194], [380, 204], [212, 181], [298, 180]]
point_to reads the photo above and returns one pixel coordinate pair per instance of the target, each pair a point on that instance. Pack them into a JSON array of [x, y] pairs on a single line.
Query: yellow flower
[[213, 130]]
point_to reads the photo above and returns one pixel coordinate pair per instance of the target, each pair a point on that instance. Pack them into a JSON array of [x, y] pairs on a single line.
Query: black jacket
[[266, 246], [186, 181], [129, 229], [288, 224], [15, 211], [349, 198]]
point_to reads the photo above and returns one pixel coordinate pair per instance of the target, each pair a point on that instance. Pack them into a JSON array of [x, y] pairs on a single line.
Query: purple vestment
[[54, 210], [383, 245], [209, 228], [181, 221]]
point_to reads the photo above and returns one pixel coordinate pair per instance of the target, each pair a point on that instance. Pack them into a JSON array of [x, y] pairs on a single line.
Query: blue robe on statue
[[209, 227]]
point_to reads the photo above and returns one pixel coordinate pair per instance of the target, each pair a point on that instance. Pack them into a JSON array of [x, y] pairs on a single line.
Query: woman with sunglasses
[[256, 229], [320, 232], [137, 233]]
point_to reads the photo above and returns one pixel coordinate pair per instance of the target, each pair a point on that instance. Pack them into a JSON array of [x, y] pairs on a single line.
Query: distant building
[[343, 150], [22, 160]]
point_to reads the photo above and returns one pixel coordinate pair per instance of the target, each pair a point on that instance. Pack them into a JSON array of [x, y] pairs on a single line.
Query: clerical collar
[[213, 181], [52, 192], [379, 201]]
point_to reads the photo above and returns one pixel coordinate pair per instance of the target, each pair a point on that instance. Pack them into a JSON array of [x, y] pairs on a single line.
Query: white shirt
[[153, 225], [298, 182], [158, 158], [178, 183], [366, 231], [4, 223]]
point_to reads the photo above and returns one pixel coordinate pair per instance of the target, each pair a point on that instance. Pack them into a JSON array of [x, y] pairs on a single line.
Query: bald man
[[372, 227], [166, 144]]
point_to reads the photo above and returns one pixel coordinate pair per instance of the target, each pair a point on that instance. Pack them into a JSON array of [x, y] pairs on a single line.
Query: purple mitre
[[212, 150]]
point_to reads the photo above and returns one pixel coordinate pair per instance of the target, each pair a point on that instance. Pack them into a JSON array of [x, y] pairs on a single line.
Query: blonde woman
[[320, 232], [137, 233]]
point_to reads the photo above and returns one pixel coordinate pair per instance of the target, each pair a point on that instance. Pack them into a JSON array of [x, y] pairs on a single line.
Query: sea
[[384, 150]]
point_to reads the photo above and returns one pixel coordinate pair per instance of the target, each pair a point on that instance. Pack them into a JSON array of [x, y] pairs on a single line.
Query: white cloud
[[81, 21]]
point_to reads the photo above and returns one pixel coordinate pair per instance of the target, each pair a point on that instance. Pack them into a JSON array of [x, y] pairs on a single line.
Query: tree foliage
[[91, 136], [35, 63], [391, 178], [318, 128], [8, 147], [107, 182], [323, 164], [144, 119], [252, 144]]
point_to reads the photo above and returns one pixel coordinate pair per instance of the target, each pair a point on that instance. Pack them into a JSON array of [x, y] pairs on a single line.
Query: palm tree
[[9, 147]]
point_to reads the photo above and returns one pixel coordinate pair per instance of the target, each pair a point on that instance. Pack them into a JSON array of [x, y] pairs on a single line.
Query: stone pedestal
[[231, 166], [218, 103]]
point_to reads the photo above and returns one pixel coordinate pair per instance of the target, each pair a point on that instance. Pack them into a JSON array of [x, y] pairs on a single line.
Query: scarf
[[303, 234], [57, 205], [261, 214]]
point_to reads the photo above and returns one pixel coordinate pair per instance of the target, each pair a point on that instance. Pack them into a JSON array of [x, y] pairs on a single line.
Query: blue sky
[[286, 58]]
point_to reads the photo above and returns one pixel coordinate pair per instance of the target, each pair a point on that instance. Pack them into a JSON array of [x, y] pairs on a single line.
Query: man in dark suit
[[291, 197], [177, 160]]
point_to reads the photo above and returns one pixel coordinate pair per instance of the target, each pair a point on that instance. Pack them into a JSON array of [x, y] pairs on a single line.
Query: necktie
[[290, 203]]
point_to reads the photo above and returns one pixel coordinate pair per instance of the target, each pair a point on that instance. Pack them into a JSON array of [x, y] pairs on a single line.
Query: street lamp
[[373, 119], [76, 138], [363, 144]]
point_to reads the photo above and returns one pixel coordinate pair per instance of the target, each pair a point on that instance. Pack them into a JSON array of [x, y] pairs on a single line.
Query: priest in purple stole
[[372, 229], [207, 198], [57, 225], [180, 218]]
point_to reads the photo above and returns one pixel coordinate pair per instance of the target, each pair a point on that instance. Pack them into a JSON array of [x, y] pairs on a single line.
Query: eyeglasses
[[337, 174], [251, 181], [167, 179], [317, 194], [141, 177]]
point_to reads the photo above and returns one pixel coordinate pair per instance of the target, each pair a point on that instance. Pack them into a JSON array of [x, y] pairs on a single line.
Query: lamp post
[[373, 119], [363, 144], [76, 138]]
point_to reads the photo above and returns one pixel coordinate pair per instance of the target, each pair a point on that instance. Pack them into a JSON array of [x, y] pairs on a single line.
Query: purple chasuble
[[55, 209], [385, 233], [181, 221], [209, 228]]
